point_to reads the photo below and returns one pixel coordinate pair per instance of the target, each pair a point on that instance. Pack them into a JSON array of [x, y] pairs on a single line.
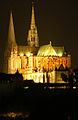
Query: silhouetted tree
[[76, 76], [64, 77], [69, 79]]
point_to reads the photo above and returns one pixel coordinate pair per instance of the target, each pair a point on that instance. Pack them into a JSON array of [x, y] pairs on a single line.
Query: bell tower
[[33, 39]]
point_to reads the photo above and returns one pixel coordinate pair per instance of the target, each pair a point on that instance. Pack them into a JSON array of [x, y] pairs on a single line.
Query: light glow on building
[[21, 54], [38, 63]]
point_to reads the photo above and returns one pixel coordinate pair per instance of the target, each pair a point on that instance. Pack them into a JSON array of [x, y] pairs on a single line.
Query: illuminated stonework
[[33, 39], [41, 64]]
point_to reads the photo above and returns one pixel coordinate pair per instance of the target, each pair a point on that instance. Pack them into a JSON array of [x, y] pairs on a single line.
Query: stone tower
[[33, 39], [11, 46]]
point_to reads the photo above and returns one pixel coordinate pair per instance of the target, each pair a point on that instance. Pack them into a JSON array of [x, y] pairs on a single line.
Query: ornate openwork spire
[[33, 17], [33, 39]]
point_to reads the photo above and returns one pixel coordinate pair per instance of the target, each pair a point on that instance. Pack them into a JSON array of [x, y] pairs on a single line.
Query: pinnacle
[[33, 16]]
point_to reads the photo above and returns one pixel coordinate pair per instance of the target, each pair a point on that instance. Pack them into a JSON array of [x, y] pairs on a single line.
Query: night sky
[[57, 21]]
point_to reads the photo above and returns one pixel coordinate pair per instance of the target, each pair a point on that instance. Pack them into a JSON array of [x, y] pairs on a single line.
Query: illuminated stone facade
[[33, 39], [41, 64]]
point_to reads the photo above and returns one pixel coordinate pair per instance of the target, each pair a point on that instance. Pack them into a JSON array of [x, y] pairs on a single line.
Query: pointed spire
[[33, 17], [33, 39], [11, 33]]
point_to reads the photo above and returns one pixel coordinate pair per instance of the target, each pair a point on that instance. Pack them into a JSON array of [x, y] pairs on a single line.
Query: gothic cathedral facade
[[39, 63]]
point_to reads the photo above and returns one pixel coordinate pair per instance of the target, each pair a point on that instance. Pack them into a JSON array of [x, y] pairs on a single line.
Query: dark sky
[[57, 21]]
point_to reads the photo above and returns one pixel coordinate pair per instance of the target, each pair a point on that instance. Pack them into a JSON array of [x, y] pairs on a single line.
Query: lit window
[[28, 54], [21, 54], [60, 55]]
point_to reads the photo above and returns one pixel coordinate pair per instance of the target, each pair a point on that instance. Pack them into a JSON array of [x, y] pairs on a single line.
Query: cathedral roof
[[27, 49], [46, 50], [49, 50], [59, 50]]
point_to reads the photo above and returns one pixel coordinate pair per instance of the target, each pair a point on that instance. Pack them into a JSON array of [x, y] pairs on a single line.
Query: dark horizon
[[57, 21]]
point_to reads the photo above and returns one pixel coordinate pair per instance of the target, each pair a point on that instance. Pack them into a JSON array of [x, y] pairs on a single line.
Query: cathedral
[[38, 63]]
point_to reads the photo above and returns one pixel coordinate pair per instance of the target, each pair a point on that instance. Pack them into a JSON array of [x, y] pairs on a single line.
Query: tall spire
[[33, 39], [33, 17], [11, 33], [9, 45]]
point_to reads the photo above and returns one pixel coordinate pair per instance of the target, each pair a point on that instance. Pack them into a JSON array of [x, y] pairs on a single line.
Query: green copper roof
[[49, 50], [46, 50], [59, 50]]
